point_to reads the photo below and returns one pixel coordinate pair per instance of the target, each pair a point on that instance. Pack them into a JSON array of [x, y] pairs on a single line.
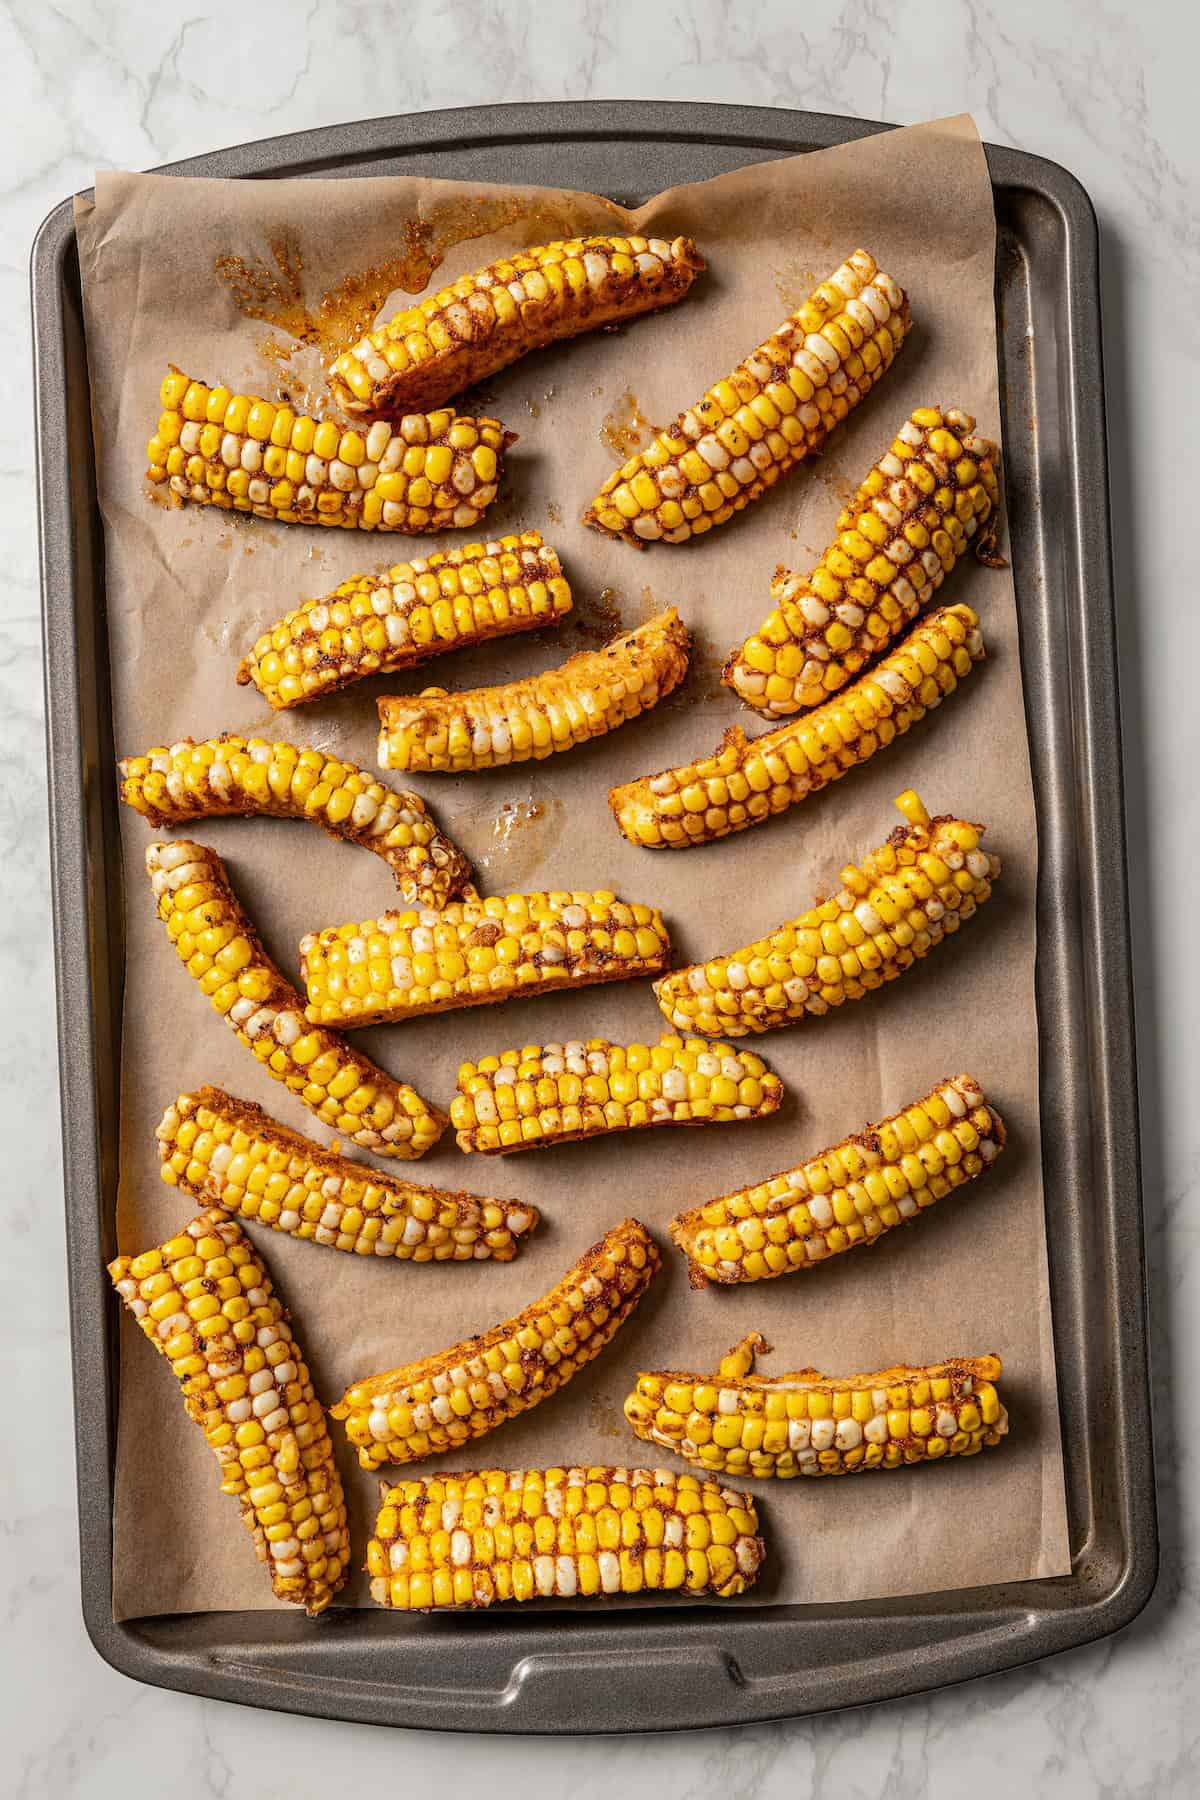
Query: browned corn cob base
[[747, 781], [462, 1393], [846, 1196], [907, 896], [431, 472], [557, 1093], [205, 1301], [230, 1153], [475, 952], [486, 320], [926, 499], [230, 776], [376, 624], [777, 407], [738, 1423], [521, 721], [469, 1540], [221, 950]]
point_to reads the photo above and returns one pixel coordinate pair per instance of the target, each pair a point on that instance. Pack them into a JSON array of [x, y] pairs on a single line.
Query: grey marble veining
[[1107, 90]]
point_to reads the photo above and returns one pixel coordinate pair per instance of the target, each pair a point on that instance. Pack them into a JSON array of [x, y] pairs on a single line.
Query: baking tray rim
[[1018, 1632]]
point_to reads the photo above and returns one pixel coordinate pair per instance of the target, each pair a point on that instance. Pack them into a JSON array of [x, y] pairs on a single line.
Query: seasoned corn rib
[[746, 781], [469, 1540], [229, 1153], [430, 472], [904, 899], [923, 503], [228, 776], [557, 1093], [590, 693], [846, 1196], [777, 407], [456, 1395], [738, 1423], [486, 320], [219, 947], [376, 624], [475, 952], [205, 1301]]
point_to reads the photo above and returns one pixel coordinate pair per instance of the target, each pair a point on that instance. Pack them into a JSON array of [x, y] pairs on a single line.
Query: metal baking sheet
[[670, 1668]]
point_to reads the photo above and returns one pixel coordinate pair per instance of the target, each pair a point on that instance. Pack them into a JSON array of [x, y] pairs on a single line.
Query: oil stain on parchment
[[524, 832], [597, 618], [605, 1418], [625, 429]]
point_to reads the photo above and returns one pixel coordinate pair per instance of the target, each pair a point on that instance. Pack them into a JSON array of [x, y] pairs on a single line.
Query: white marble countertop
[[1108, 91]]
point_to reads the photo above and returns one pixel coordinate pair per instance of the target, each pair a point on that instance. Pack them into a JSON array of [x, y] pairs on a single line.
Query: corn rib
[[237, 777], [846, 1196], [588, 695], [476, 952], [777, 407], [219, 947], [376, 624], [747, 781], [205, 1301], [472, 1539], [923, 503], [738, 1423], [488, 319], [557, 1093], [906, 897], [430, 472], [456, 1395], [229, 1153]]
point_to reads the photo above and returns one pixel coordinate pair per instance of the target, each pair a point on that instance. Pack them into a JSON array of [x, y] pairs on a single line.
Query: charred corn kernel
[[384, 970], [334, 476], [337, 1084], [830, 1425], [236, 776], [776, 408], [588, 695], [535, 1092], [746, 781], [229, 1153], [462, 1393], [482, 322], [907, 897], [273, 1451], [826, 627], [845, 1196], [374, 624]]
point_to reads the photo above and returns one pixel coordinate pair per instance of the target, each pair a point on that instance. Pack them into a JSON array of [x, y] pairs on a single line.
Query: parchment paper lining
[[188, 591]]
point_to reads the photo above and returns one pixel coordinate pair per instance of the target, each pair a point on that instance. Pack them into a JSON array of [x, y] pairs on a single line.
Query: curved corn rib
[[230, 776], [588, 695], [376, 624], [776, 408], [431, 472], [846, 1196], [746, 781], [897, 540], [459, 1394], [486, 320], [230, 1153], [538, 1097], [216, 942], [906, 896], [205, 1301], [739, 1423], [468, 1540], [477, 951]]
